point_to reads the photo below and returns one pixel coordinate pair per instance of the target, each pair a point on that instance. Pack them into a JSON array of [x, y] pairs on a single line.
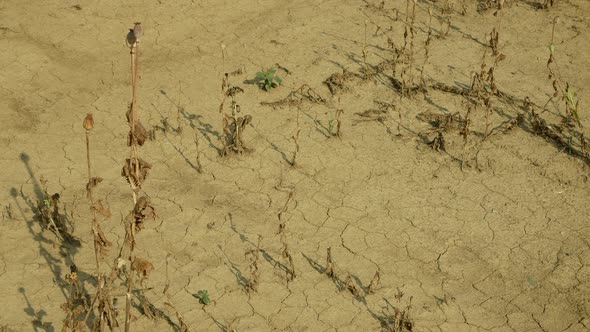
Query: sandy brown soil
[[500, 244]]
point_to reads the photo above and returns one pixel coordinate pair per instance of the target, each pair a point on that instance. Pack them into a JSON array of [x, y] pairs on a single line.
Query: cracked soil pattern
[[503, 245]]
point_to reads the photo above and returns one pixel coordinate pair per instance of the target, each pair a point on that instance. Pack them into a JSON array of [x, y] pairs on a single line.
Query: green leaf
[[203, 296], [260, 75], [570, 95], [271, 70], [278, 79], [552, 48]]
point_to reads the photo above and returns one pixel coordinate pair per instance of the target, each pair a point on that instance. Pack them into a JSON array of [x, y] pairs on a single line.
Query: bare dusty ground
[[500, 243]]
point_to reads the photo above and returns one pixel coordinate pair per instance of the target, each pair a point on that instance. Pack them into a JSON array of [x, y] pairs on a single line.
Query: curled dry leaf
[[108, 309], [143, 210], [234, 90], [143, 268], [352, 288], [329, 270], [92, 184], [101, 240], [244, 121], [375, 282], [438, 143], [337, 82], [100, 208], [129, 171], [139, 135]]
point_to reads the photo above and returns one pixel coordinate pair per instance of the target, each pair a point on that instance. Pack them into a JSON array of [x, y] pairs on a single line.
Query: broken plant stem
[[137, 29], [339, 122], [426, 45], [465, 133], [199, 167], [296, 141]]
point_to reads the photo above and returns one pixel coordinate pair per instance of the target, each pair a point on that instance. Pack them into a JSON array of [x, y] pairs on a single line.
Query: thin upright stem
[[134, 117], [94, 230], [135, 162], [129, 280]]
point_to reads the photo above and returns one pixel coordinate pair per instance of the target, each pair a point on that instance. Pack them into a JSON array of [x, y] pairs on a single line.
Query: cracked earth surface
[[501, 246]]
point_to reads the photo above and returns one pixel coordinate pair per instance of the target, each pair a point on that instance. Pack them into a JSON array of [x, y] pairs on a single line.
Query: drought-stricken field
[[300, 165]]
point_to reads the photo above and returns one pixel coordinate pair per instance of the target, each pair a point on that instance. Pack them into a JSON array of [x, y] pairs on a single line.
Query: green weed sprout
[[267, 79], [573, 102], [203, 296]]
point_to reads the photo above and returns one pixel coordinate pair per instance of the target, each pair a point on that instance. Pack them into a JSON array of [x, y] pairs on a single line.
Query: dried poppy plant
[[101, 243], [135, 171]]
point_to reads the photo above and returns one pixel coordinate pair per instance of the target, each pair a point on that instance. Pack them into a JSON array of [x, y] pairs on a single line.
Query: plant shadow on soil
[[68, 244]]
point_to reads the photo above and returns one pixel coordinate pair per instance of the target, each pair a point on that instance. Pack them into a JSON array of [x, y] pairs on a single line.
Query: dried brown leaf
[[337, 82], [141, 135], [141, 211], [129, 171], [143, 268], [94, 182], [100, 208]]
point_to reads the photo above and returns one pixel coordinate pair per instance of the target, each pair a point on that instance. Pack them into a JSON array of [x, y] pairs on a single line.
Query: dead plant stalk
[[137, 32], [88, 124]]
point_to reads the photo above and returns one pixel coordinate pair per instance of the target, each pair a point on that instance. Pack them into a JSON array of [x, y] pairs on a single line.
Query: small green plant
[[203, 296], [572, 103], [562, 88], [335, 123], [267, 79]]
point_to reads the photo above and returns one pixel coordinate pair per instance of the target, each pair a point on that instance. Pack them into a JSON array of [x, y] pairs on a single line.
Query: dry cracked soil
[[434, 219]]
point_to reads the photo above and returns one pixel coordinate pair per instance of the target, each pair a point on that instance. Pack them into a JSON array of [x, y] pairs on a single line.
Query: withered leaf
[[244, 121], [102, 242], [92, 184], [337, 82], [438, 143], [227, 122], [143, 268], [143, 210], [135, 170], [100, 208], [141, 133], [234, 90]]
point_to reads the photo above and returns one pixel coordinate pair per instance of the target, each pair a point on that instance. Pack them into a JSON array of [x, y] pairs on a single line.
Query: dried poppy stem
[[88, 124], [133, 39], [134, 45]]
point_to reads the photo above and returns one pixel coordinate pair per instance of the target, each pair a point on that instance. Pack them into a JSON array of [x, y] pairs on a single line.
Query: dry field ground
[[423, 166]]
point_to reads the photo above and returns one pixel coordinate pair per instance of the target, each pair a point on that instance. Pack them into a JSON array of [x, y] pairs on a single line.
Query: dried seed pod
[[88, 122], [131, 38], [137, 31]]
